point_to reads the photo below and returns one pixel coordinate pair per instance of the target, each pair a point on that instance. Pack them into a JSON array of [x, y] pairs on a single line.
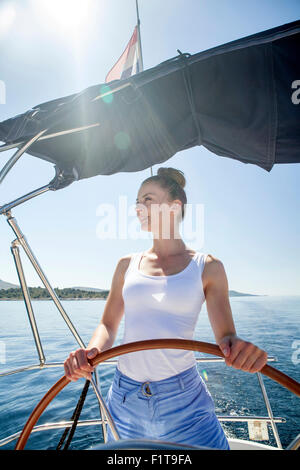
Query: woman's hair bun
[[173, 173]]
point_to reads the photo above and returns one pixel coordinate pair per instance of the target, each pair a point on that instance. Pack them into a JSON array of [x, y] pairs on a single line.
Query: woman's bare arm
[[238, 353], [104, 335], [77, 365]]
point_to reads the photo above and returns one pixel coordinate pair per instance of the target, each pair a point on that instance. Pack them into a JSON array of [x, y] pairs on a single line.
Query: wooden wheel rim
[[168, 343]]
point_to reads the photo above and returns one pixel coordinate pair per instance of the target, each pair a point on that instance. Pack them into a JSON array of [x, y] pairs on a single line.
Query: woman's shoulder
[[212, 270], [212, 260], [213, 266]]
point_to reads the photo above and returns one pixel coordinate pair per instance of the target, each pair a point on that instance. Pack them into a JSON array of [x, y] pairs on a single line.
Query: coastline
[[72, 298], [105, 298]]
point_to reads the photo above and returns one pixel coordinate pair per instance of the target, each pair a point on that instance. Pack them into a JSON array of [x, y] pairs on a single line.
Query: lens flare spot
[[122, 140], [204, 373], [107, 97]]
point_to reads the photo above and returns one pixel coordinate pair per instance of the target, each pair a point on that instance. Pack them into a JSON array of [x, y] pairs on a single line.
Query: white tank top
[[160, 307]]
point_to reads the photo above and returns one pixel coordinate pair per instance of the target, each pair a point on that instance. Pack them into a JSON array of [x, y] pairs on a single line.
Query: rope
[[75, 418]]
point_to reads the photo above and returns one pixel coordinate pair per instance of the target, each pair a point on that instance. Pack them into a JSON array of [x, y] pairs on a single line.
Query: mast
[[140, 45], [139, 33]]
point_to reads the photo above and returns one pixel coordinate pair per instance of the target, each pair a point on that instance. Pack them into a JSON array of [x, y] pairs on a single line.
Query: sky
[[249, 217]]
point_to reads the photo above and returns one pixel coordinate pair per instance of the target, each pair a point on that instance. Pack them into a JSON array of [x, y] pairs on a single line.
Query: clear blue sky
[[251, 217]]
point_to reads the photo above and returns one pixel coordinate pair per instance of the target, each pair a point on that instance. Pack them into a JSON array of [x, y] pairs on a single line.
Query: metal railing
[[270, 419]]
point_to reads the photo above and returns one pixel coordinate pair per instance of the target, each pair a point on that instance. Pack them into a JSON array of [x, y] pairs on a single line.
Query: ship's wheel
[[168, 343]]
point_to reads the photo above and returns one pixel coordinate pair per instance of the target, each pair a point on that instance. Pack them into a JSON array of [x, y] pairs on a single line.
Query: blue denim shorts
[[178, 409]]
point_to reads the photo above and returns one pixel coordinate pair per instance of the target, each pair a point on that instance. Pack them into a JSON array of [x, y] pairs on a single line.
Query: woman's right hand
[[77, 366]]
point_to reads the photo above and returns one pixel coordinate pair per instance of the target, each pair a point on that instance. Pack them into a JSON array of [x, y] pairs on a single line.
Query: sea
[[270, 322]]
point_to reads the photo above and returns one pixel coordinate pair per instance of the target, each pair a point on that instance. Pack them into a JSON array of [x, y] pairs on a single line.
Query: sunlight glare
[[69, 15]]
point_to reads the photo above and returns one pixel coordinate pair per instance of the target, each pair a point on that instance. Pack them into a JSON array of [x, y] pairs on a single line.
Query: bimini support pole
[[16, 254], [13, 160], [23, 242]]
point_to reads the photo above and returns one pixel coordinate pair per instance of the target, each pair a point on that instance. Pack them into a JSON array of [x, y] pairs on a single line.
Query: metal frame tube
[[106, 412], [243, 419], [5, 147], [47, 426], [270, 413], [94, 422], [22, 240], [16, 255], [108, 362], [13, 160], [32, 367], [7, 207]]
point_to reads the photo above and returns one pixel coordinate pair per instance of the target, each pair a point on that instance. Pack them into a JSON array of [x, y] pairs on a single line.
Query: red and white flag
[[130, 61]]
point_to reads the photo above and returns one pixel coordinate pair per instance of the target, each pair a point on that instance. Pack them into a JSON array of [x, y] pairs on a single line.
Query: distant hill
[[234, 293], [7, 285], [92, 289]]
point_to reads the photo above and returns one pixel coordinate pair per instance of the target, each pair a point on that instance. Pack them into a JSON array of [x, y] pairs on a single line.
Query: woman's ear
[[176, 207]]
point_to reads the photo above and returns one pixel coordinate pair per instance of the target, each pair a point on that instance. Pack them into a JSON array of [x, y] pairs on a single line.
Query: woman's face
[[154, 209]]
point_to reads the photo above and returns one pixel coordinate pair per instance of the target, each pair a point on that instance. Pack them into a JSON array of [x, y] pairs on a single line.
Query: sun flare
[[68, 15]]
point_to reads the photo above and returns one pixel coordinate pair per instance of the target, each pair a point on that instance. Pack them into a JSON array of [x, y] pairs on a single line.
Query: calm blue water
[[272, 323]]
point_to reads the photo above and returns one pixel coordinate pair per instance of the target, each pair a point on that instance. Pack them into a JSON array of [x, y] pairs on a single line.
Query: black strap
[[75, 418], [188, 86], [63, 178]]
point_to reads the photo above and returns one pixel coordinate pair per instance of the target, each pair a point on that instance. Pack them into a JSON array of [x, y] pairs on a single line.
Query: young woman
[[158, 393]]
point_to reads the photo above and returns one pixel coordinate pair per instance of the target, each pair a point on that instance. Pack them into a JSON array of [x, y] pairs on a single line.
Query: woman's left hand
[[242, 354]]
